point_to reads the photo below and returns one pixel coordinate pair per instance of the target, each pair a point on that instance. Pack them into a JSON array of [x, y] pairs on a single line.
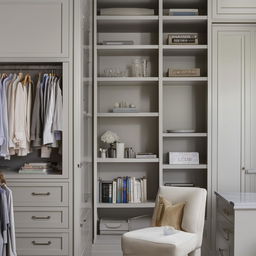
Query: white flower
[[110, 137]]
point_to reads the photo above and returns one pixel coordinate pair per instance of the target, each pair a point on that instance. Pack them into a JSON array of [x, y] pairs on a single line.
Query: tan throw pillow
[[167, 214]]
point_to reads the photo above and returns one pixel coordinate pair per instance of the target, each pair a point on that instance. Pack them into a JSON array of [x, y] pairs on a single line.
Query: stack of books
[[36, 168], [183, 38], [123, 190], [146, 156], [183, 12]]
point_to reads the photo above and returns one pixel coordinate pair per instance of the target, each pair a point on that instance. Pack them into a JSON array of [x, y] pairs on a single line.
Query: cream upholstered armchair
[[152, 241]]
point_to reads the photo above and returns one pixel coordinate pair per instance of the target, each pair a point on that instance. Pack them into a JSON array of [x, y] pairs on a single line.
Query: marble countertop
[[239, 200]]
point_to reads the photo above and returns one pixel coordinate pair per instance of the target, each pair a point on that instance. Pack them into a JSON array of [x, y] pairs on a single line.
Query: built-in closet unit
[[233, 104], [163, 103], [51, 210]]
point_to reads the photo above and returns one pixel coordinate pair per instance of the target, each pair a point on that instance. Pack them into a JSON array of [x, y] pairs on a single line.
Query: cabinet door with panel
[[34, 28], [234, 10], [232, 50]]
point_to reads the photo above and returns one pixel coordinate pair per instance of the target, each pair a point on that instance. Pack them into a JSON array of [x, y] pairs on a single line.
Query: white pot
[[119, 150]]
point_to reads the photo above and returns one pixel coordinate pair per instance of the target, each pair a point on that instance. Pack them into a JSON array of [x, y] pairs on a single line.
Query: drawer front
[[234, 10], [41, 28], [39, 194], [42, 244], [27, 217], [225, 209]]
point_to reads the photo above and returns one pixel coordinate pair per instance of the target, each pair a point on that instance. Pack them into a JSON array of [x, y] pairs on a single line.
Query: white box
[[113, 227], [183, 158]]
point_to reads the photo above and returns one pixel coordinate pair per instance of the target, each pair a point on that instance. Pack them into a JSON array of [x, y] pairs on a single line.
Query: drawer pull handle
[[41, 218], [40, 194], [36, 243]]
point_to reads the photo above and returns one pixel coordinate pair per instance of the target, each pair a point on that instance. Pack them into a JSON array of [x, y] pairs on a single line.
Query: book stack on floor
[[36, 168], [123, 190]]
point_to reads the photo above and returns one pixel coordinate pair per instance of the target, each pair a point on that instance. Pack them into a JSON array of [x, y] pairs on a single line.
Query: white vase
[[119, 150]]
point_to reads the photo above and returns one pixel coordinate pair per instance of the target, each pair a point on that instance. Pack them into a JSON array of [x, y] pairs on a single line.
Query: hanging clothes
[[30, 114]]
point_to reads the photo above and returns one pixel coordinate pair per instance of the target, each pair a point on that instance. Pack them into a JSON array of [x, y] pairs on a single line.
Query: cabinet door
[[83, 127], [231, 79], [34, 28], [234, 10]]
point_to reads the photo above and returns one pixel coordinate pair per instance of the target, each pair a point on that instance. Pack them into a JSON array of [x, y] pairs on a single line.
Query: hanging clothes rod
[[30, 67]]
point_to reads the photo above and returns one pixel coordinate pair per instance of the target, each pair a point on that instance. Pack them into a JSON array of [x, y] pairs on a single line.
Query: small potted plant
[[110, 138]]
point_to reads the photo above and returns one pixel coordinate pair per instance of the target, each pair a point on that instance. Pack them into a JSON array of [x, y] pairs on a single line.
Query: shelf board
[[126, 47], [185, 79], [128, 114], [127, 79], [127, 205], [185, 18], [127, 160], [186, 47], [131, 18], [184, 135], [184, 166]]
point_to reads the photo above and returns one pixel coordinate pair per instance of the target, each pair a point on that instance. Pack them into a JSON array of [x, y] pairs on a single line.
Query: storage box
[[184, 72], [183, 158], [182, 39], [139, 222], [113, 227]]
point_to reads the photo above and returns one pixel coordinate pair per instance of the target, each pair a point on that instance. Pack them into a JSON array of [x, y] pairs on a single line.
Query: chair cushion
[[152, 241], [169, 214]]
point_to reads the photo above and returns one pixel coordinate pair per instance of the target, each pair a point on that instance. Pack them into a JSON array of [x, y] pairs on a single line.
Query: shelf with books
[[127, 205], [127, 160]]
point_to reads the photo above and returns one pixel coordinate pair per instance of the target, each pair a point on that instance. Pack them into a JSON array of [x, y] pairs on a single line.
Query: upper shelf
[[184, 135], [127, 160], [149, 114]]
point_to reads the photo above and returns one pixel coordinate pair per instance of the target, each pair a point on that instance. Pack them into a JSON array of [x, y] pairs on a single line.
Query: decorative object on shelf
[[182, 38], [123, 42], [123, 190], [119, 150], [110, 138], [183, 12], [183, 158], [180, 131], [115, 72], [183, 72], [127, 11], [103, 152], [129, 153], [140, 68], [146, 156], [123, 107]]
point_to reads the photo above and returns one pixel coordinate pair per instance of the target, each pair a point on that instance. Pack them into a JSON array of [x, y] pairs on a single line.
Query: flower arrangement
[[110, 137]]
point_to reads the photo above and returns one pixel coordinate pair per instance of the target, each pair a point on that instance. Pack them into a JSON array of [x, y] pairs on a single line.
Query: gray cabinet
[[234, 10], [232, 104], [34, 28]]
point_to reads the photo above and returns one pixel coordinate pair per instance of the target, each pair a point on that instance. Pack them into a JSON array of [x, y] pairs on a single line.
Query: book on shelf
[[183, 12], [123, 190], [195, 72], [36, 168], [182, 38], [124, 42], [146, 156], [171, 184]]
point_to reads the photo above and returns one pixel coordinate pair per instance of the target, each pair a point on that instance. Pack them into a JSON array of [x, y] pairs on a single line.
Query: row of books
[[123, 190], [183, 38]]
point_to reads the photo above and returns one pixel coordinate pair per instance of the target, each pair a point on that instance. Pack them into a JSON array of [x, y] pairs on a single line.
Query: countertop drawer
[[225, 209], [41, 217], [39, 194], [42, 244]]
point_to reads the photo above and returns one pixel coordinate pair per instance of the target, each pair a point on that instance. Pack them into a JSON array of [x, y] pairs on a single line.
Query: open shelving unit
[[163, 103]]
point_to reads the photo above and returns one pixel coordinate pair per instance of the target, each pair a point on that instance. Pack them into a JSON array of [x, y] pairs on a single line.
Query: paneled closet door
[[83, 127], [34, 28], [231, 81]]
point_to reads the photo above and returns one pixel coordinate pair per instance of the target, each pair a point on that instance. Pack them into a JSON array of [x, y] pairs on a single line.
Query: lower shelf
[[184, 166], [128, 205]]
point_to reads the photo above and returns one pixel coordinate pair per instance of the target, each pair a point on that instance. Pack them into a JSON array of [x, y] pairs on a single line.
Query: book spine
[[110, 193], [114, 192], [100, 190], [145, 189], [124, 190]]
